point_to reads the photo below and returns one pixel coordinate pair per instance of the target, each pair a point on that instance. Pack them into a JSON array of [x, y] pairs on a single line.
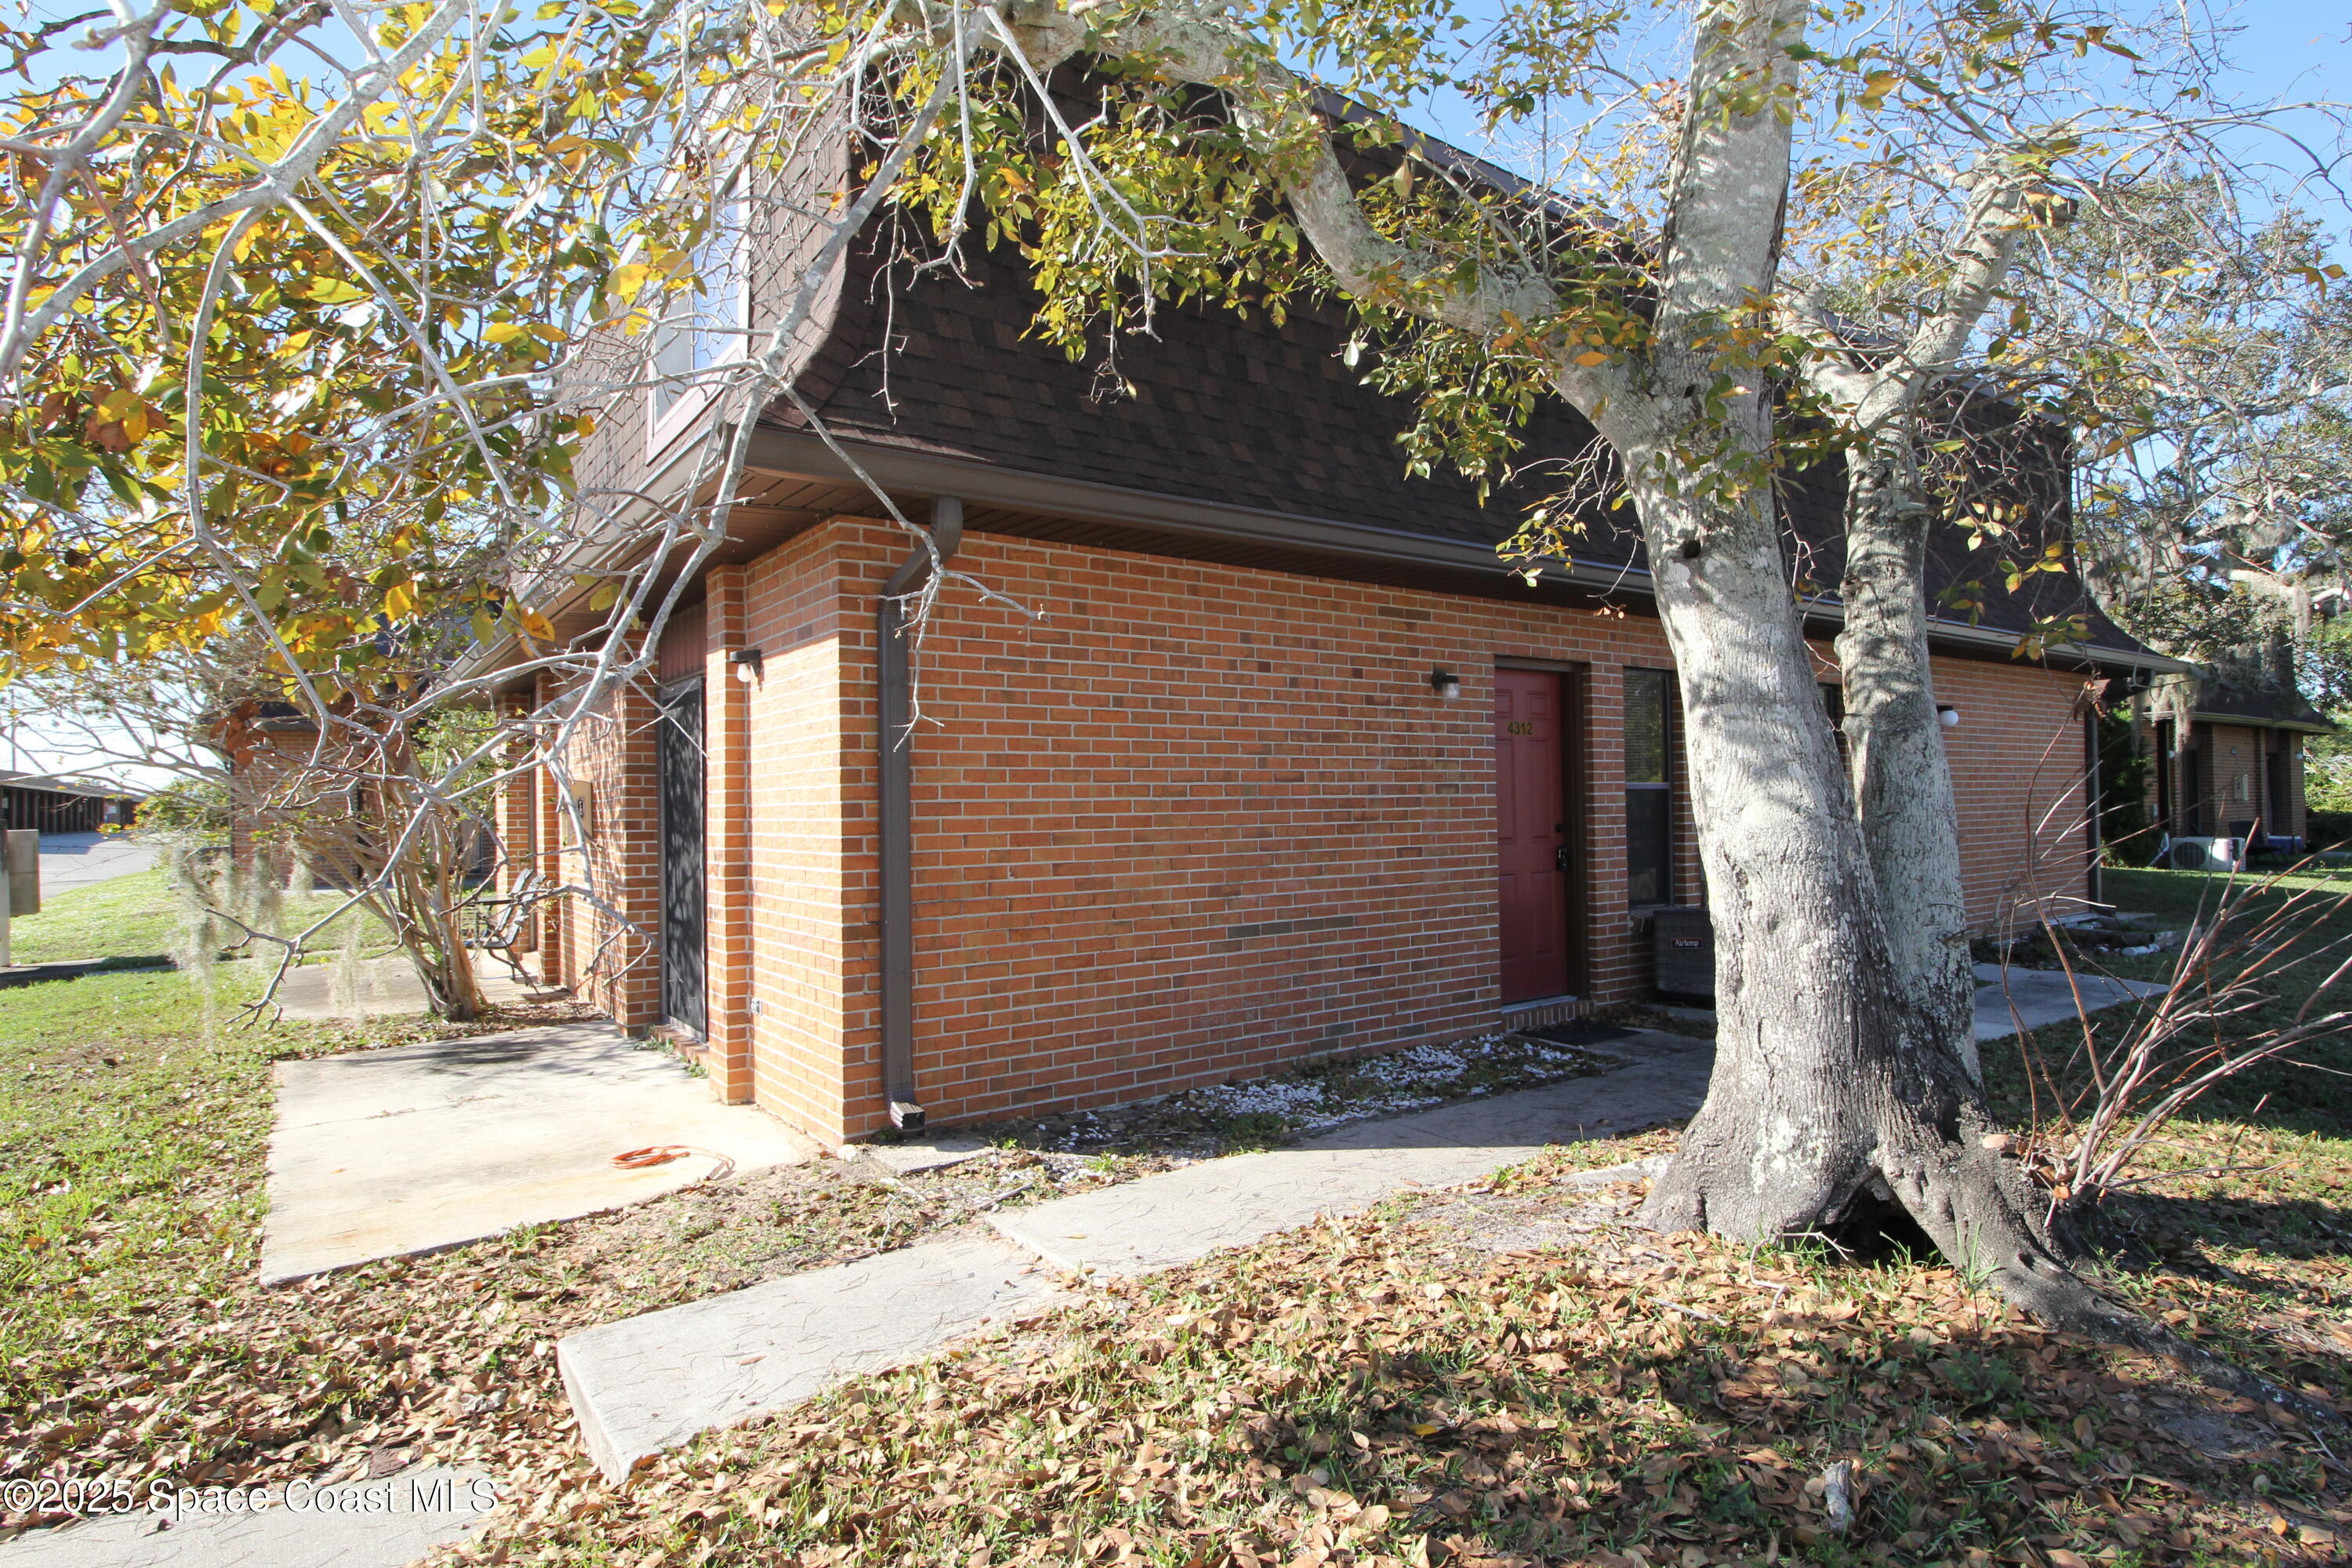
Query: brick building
[[2226, 745], [1260, 753], [47, 803]]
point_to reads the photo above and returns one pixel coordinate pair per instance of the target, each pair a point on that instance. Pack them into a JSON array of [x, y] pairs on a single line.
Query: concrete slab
[[2041, 998], [376, 988], [2038, 999], [384, 1524], [381, 1153], [1162, 1221], [71, 860], [907, 1159], [647, 1384]]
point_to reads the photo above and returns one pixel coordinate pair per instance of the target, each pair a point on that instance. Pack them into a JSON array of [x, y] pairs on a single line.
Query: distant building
[[2228, 744], [56, 805]]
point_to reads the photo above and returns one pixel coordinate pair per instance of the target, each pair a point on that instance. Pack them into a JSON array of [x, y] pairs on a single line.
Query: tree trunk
[[1902, 783], [1835, 1079], [1807, 1013]]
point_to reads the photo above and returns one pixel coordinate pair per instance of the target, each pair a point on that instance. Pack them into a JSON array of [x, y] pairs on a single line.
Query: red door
[[1532, 819]]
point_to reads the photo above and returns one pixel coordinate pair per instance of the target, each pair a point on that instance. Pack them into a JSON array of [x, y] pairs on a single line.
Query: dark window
[[2164, 776], [1649, 787], [1833, 705]]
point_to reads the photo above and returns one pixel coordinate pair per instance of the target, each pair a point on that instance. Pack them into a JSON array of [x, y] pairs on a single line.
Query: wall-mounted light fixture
[[1445, 683], [1948, 715], [749, 664]]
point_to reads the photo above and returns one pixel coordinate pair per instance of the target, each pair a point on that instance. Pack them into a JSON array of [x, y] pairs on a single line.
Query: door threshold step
[[1542, 1010]]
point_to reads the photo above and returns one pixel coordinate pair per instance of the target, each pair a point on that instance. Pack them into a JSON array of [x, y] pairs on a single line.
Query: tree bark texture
[[1835, 1077], [1902, 783]]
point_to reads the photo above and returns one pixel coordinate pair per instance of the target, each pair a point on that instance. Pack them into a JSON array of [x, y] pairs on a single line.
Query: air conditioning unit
[[2206, 855]]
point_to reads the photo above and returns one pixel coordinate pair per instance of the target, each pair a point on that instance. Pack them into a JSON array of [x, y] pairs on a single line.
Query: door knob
[[1559, 857]]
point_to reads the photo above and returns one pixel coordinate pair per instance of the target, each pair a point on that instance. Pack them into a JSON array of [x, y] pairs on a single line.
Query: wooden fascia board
[[930, 473], [2244, 721]]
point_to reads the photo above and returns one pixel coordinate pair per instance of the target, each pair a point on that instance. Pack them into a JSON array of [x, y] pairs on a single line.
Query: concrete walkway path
[[2039, 998], [650, 1383], [377, 988], [647, 1384], [381, 1154], [71, 860], [1160, 1222], [384, 1523]]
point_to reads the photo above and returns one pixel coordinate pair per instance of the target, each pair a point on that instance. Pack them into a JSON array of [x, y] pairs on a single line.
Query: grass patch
[[131, 916], [139, 915], [132, 1140], [2312, 1093]]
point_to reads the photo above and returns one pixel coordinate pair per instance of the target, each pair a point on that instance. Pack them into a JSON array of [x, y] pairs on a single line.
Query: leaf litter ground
[[1504, 1374], [1509, 1373], [159, 1356]]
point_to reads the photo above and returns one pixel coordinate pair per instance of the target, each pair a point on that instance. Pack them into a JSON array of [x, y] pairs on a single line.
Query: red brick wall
[[1193, 822], [2018, 766], [808, 745], [2236, 774], [554, 866], [1119, 804], [727, 849], [517, 812], [613, 916]]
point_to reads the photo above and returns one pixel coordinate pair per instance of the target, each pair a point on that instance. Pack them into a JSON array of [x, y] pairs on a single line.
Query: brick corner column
[[628, 852], [556, 915], [727, 840], [515, 822]]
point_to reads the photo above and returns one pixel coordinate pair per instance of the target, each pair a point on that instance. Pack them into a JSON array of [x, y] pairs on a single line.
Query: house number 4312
[[1521, 727]]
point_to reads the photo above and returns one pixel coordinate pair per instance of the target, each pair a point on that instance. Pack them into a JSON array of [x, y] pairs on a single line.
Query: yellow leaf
[[505, 332], [586, 425], [400, 601], [1591, 357], [536, 625], [627, 280]]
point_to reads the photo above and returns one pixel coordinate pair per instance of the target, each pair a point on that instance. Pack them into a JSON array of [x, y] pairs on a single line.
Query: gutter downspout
[[896, 817]]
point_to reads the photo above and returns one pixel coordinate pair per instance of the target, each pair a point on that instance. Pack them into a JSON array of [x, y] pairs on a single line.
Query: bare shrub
[[2100, 1107]]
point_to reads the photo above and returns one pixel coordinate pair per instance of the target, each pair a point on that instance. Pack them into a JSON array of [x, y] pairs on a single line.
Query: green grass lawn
[[140, 916], [134, 1116], [127, 917], [129, 1131], [2311, 1094]]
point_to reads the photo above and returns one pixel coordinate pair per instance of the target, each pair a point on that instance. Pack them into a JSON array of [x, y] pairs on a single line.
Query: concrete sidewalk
[[647, 1384], [1161, 1221], [384, 1523], [71, 860], [385, 1153], [2039, 998]]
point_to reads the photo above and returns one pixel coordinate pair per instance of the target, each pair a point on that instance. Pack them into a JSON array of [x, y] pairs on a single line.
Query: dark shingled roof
[[2246, 693], [1234, 409]]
